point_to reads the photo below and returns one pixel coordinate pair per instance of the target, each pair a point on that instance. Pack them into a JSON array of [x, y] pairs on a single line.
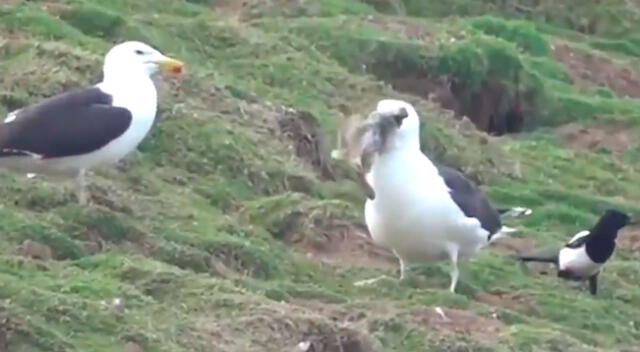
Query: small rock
[[132, 347], [91, 247], [303, 346], [118, 305], [441, 312]]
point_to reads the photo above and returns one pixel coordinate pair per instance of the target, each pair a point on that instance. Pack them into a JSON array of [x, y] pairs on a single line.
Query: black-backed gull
[[422, 212], [69, 133]]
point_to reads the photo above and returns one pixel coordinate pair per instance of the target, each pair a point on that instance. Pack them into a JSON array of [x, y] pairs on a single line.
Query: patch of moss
[[184, 257], [108, 225], [436, 9], [63, 247], [622, 46], [394, 7], [472, 61], [40, 23], [523, 34], [94, 21]]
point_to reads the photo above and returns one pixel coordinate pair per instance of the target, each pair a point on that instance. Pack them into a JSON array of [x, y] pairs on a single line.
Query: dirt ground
[[411, 30], [587, 69], [309, 142], [613, 137], [629, 238], [457, 321], [514, 245], [515, 301], [343, 243]]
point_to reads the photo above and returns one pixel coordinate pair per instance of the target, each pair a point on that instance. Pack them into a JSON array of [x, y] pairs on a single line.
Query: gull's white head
[[393, 126], [407, 134], [134, 57]]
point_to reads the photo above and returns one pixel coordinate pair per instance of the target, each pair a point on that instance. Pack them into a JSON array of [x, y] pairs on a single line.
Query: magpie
[[584, 255]]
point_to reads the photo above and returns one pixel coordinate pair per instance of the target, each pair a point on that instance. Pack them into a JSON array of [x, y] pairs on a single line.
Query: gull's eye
[[139, 52], [402, 114]]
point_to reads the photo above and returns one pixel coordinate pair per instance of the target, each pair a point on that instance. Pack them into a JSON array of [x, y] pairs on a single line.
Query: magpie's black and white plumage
[[69, 133], [422, 212], [584, 255]]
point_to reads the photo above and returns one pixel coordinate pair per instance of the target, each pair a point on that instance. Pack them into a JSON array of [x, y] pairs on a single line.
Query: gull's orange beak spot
[[172, 65]]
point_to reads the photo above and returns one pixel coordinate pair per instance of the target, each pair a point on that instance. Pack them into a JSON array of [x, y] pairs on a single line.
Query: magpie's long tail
[[548, 255], [515, 212]]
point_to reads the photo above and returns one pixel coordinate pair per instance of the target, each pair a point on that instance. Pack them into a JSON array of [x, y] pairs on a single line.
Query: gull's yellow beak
[[170, 65]]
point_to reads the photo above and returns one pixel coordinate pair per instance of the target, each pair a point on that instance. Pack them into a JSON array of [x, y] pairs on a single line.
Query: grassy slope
[[212, 184]]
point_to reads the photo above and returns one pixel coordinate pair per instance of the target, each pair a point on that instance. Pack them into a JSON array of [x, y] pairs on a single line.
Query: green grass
[[196, 235]]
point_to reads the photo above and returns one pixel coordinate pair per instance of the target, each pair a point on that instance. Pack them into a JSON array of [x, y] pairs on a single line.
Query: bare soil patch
[[402, 25], [515, 301], [233, 7], [244, 9], [10, 3], [109, 198], [342, 340], [288, 329], [457, 321], [35, 250], [335, 243], [55, 8], [308, 140], [588, 69], [356, 313], [615, 138], [251, 9], [514, 245], [629, 238]]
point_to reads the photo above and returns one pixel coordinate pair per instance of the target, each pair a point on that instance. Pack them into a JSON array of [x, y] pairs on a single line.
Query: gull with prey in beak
[[67, 134], [421, 211]]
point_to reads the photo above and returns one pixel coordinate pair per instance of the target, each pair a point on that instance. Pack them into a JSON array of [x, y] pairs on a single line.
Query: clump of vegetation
[[523, 34], [94, 21], [623, 46], [474, 60], [435, 9]]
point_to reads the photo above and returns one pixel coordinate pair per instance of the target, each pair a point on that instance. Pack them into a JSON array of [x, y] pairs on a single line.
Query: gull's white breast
[[413, 212]]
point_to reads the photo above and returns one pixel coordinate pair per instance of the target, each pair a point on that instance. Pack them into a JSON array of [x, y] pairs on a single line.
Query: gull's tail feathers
[[504, 232]]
